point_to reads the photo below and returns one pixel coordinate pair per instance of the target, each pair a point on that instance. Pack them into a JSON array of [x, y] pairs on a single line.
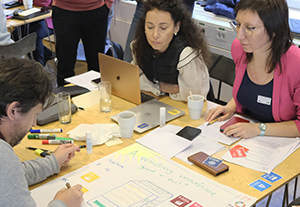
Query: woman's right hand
[[72, 197], [226, 111]]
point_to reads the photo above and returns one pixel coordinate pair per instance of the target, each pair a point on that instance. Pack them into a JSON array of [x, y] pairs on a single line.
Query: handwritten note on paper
[[137, 176]]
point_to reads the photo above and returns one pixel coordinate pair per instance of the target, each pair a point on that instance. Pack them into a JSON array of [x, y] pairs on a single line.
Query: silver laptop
[[147, 115]]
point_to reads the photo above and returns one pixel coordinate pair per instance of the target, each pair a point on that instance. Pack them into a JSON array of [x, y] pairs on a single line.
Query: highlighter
[[41, 153]]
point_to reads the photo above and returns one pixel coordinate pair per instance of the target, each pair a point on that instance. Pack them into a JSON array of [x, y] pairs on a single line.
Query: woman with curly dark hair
[[171, 51]]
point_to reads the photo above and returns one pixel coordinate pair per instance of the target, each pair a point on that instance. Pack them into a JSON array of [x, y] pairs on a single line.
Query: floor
[[276, 201]]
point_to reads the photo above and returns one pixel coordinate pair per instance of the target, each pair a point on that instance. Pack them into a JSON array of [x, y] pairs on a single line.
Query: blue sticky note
[[211, 161], [260, 185], [272, 177], [143, 125]]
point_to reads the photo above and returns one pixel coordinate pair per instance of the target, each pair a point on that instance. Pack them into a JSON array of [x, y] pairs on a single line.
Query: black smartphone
[[189, 132], [96, 81]]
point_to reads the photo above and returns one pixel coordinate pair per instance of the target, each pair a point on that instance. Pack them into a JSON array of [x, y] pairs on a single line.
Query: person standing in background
[[139, 10], [74, 20]]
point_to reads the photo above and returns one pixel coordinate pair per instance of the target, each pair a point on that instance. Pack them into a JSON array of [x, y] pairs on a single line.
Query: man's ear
[[12, 110]]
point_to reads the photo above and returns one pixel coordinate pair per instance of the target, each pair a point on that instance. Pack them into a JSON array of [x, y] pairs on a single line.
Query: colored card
[[211, 161], [143, 125], [260, 185], [89, 177], [240, 146], [237, 152], [272, 177], [195, 205], [181, 201]]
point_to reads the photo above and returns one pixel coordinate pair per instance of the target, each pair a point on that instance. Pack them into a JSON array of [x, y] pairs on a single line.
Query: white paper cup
[[28, 4], [195, 105], [126, 121]]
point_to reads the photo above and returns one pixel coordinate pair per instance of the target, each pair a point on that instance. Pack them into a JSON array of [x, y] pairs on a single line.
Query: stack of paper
[[165, 141], [264, 153]]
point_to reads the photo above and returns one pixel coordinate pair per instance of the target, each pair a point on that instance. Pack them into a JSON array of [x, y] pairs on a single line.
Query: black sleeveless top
[[164, 67]]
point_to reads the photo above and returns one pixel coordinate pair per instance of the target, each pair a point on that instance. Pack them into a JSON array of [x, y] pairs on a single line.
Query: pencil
[[213, 121], [68, 185]]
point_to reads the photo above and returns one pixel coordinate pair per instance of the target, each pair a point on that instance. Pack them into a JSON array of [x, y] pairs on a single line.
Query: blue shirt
[[249, 96]]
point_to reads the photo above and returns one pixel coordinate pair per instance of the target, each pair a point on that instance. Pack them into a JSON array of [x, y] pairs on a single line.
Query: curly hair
[[189, 30], [25, 82], [274, 14]]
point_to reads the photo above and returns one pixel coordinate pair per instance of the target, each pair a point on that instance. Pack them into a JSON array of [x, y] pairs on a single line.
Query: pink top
[[81, 5], [286, 86]]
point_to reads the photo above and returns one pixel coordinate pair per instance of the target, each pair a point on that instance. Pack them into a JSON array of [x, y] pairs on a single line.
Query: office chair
[[20, 48], [223, 70]]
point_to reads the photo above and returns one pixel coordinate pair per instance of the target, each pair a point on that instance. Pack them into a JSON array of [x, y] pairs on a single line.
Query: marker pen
[[57, 141], [41, 136], [45, 130], [82, 146], [33, 148], [41, 153]]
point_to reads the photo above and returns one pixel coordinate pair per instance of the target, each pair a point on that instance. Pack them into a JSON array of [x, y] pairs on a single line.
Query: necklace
[[254, 77]]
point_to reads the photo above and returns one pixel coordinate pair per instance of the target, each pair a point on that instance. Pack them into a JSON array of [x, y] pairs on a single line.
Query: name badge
[[264, 100]]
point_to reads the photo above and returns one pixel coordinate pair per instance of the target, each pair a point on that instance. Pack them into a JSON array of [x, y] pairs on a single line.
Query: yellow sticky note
[[84, 190], [89, 177], [173, 112]]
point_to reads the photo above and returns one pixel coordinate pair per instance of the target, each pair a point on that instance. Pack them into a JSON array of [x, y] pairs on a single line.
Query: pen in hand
[[213, 121]]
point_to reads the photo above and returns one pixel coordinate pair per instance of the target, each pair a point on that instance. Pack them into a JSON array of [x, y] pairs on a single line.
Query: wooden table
[[13, 23], [237, 178]]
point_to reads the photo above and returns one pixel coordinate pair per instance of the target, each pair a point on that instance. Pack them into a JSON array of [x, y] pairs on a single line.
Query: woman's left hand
[[169, 88], [243, 130]]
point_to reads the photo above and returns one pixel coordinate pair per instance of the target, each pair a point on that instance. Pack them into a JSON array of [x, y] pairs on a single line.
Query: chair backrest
[[19, 48], [223, 70]]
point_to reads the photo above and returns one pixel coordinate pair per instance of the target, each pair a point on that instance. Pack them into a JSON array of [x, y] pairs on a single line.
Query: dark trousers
[[70, 27], [41, 54]]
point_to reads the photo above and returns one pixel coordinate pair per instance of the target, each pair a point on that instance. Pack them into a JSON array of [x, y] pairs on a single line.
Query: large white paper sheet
[[265, 153], [165, 141], [138, 177], [200, 143]]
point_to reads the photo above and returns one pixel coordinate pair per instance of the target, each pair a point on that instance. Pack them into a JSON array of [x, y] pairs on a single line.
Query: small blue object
[[141, 126], [260, 185], [272, 177], [211, 161]]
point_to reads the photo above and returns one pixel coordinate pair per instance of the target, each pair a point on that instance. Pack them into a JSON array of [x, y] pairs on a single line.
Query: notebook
[[124, 78], [147, 115]]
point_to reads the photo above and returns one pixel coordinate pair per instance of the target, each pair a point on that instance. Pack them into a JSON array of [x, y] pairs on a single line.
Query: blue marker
[[45, 130]]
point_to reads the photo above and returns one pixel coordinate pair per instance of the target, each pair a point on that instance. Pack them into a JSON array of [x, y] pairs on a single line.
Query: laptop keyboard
[[145, 97]]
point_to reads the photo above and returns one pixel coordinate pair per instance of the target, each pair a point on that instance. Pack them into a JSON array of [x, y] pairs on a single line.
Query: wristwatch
[[262, 128]]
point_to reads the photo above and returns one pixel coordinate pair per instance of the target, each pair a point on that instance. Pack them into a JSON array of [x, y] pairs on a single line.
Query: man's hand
[[73, 196], [64, 153]]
